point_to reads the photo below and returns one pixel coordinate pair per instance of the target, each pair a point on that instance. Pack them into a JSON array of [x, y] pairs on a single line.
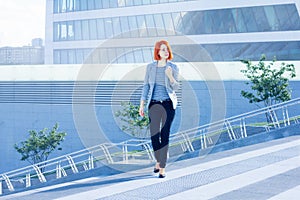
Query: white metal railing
[[237, 127], [202, 137]]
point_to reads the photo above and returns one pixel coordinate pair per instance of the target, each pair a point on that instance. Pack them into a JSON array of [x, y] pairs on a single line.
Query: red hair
[[157, 49]]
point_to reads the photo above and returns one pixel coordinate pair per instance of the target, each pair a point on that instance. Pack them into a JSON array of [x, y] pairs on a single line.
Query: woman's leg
[[155, 116], [167, 119]]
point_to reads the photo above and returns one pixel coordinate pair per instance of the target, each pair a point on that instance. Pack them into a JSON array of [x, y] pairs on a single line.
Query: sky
[[21, 21]]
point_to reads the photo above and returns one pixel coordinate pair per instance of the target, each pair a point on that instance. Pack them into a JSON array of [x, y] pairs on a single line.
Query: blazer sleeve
[[175, 72], [146, 86]]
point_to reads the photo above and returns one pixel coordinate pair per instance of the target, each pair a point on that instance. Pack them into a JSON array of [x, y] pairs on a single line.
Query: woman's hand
[[169, 74], [141, 109]]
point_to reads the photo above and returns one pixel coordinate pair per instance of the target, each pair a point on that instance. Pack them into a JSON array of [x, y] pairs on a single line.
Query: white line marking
[[292, 194], [33, 191], [235, 182]]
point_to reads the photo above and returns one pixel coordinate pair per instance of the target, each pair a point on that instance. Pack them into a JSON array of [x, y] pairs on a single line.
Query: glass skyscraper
[[228, 31]]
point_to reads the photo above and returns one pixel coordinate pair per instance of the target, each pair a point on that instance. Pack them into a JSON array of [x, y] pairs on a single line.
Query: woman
[[161, 81]]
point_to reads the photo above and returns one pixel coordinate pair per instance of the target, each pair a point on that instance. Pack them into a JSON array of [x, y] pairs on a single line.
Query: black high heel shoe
[[161, 175], [155, 170]]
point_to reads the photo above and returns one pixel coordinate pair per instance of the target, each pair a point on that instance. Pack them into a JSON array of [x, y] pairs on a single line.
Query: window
[[142, 26], [129, 55], [77, 30], [226, 52], [154, 1], [71, 56], [113, 3], [293, 16], [160, 28], [86, 53], [83, 4], [108, 27], [125, 27], [105, 4], [271, 17], [64, 57], [93, 29], [121, 58], [177, 20], [63, 31], [63, 4], [138, 54], [91, 4], [163, 1], [250, 50], [228, 24], [238, 19], [129, 2], [103, 56], [218, 22], [98, 4], [56, 57], [85, 29], [100, 29], [56, 31], [70, 5], [121, 3], [138, 2], [260, 18], [76, 5], [169, 26], [150, 26], [148, 54], [116, 26], [249, 20], [79, 56], [94, 57], [56, 8], [111, 55], [283, 17], [133, 26], [146, 2], [70, 30], [293, 49]]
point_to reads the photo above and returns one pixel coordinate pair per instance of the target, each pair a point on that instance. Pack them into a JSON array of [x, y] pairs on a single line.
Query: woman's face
[[164, 52]]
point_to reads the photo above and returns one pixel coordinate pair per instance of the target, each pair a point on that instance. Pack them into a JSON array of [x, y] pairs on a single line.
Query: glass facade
[[217, 52], [220, 21], [237, 20], [63, 6], [104, 55]]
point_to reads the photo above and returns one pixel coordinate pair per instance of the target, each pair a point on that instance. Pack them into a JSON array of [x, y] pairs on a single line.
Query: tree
[[40, 145], [270, 83], [134, 123]]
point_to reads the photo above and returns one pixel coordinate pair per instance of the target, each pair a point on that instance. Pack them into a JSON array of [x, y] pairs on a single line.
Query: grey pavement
[[268, 170]]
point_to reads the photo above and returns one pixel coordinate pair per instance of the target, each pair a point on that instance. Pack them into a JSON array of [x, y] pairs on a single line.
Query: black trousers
[[161, 115]]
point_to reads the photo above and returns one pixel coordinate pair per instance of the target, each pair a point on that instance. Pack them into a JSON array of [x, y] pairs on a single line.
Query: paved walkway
[[269, 170]]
